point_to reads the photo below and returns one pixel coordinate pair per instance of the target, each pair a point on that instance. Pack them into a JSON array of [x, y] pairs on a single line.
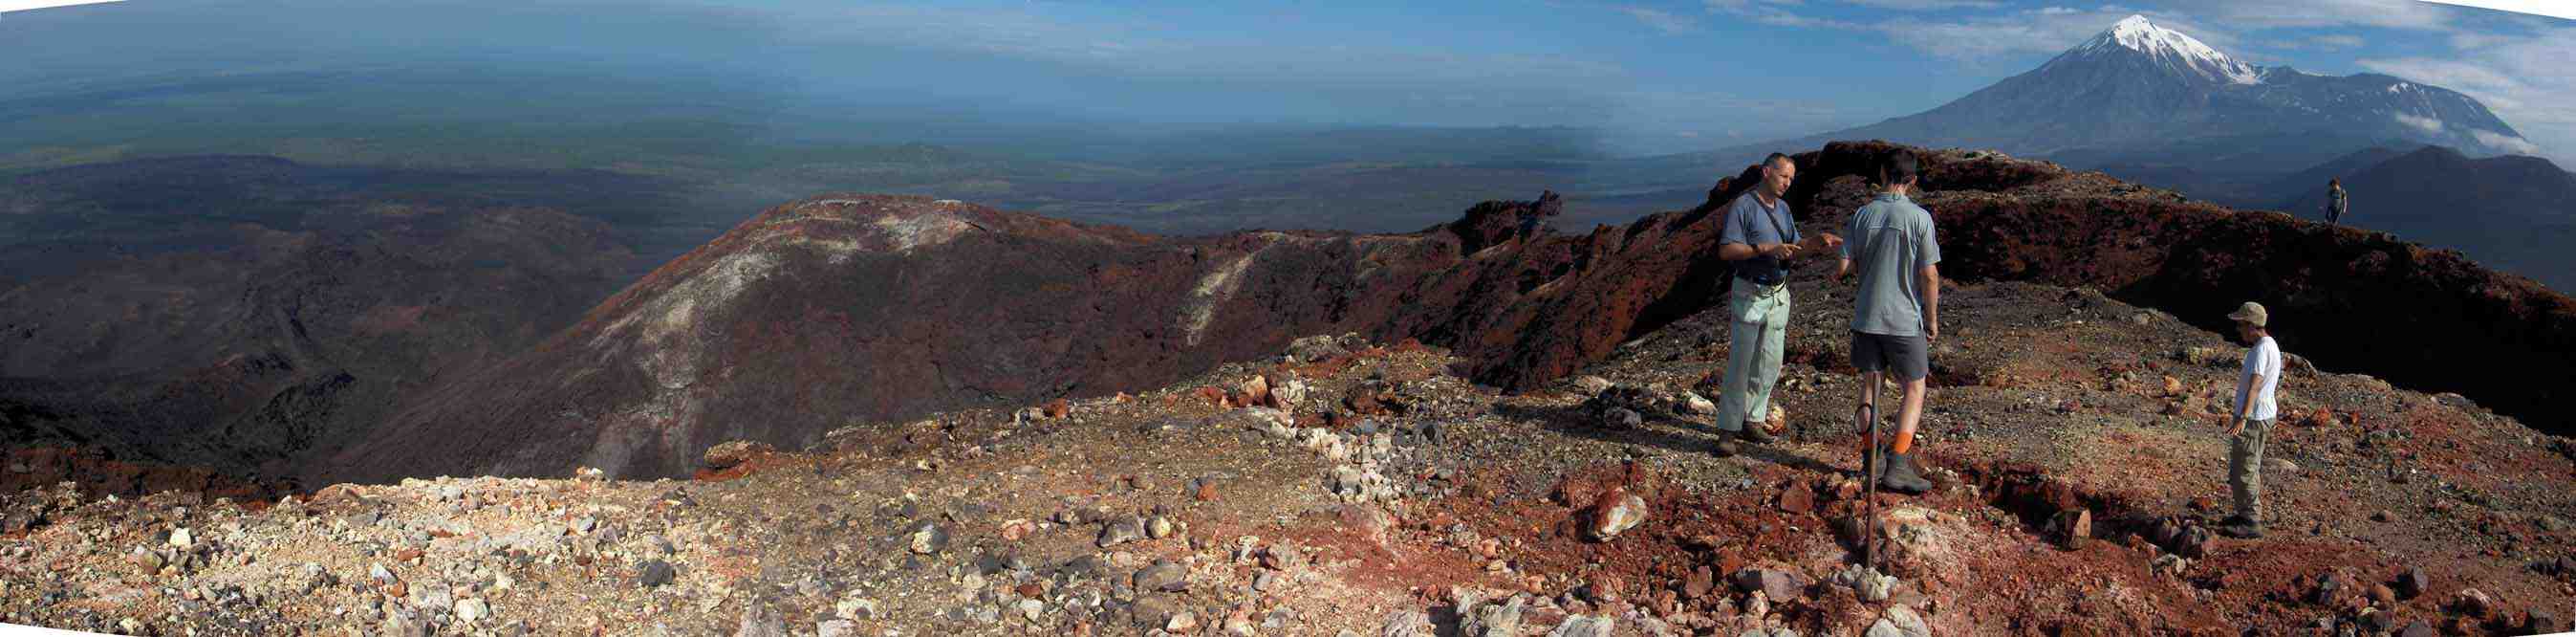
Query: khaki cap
[[2252, 313]]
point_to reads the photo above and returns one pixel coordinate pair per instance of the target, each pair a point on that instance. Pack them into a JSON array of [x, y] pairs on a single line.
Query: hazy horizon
[[1642, 79]]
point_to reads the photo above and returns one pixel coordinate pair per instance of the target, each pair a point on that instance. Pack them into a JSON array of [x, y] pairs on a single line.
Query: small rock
[[471, 609], [1121, 530], [1164, 576], [2417, 628], [2384, 598], [1582, 626], [1057, 409], [2474, 603], [1775, 584], [1797, 498], [1160, 527], [1282, 556], [760, 621], [2071, 528], [1617, 512], [2329, 587], [929, 538], [734, 453], [181, 538], [1697, 404], [1316, 348], [2281, 466], [1408, 623], [2541, 622], [836, 628], [1592, 385], [2412, 583], [1699, 583], [654, 573], [1491, 619], [1906, 622]]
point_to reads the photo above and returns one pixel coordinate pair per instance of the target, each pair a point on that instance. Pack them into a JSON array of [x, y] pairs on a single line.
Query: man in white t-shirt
[[2251, 420]]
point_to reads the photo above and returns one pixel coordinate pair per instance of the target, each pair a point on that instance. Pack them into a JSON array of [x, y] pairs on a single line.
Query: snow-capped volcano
[[2142, 93], [2184, 54]]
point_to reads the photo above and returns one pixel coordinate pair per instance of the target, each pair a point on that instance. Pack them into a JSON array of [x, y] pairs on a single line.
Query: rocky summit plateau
[[881, 415]]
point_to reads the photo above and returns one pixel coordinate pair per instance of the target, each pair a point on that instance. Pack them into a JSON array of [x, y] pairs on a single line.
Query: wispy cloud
[[2508, 144], [1926, 5], [1665, 21], [24, 5], [2430, 126], [2528, 79], [1778, 13]]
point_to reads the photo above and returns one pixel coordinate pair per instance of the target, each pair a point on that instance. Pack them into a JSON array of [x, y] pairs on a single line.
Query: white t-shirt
[[2264, 359]]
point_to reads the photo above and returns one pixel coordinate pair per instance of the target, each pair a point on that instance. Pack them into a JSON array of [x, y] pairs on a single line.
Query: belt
[[1760, 289]]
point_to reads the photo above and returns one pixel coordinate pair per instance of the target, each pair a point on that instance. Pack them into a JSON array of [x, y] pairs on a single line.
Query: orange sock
[[1904, 442]]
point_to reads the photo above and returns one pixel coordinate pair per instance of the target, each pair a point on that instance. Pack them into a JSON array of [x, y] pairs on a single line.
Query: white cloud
[[2335, 41], [23, 5], [2527, 79], [2257, 16], [2507, 143], [2430, 125], [1662, 20], [1773, 13], [2553, 8], [1926, 5]]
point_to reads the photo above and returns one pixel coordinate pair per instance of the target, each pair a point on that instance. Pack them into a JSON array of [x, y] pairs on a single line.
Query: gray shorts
[[1902, 356]]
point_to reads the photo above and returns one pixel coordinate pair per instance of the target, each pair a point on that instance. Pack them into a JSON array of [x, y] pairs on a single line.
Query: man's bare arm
[[1931, 288], [1739, 252], [1843, 270]]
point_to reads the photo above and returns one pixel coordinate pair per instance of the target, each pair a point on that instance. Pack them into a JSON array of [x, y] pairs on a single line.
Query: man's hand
[[1782, 251], [1931, 331], [1822, 242], [2235, 426]]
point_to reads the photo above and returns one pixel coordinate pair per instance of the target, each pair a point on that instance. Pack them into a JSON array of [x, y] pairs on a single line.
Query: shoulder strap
[[1774, 218]]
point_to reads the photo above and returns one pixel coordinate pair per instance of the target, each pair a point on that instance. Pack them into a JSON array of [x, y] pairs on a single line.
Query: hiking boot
[[1725, 446], [2241, 528], [1901, 475], [1754, 433]]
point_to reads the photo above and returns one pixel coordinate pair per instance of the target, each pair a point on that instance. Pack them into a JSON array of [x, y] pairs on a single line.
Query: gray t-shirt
[[1750, 223], [1889, 241]]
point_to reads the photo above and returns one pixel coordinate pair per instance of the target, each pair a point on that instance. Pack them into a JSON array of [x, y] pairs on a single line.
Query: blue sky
[[1714, 70], [1664, 75]]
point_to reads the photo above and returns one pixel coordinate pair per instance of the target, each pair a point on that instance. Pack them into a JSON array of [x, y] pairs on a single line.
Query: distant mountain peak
[[2181, 52]]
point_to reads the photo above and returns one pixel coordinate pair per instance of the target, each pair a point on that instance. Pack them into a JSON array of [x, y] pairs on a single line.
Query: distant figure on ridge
[[1760, 237], [2335, 201], [1896, 310]]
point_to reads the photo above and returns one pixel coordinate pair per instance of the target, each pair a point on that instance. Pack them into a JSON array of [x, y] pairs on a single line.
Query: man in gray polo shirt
[[1760, 237], [1896, 312]]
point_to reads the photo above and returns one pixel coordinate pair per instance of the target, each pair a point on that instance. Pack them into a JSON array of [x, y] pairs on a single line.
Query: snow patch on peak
[[2136, 33]]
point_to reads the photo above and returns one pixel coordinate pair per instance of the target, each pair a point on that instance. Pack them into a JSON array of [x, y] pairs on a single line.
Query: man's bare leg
[[1910, 414]]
